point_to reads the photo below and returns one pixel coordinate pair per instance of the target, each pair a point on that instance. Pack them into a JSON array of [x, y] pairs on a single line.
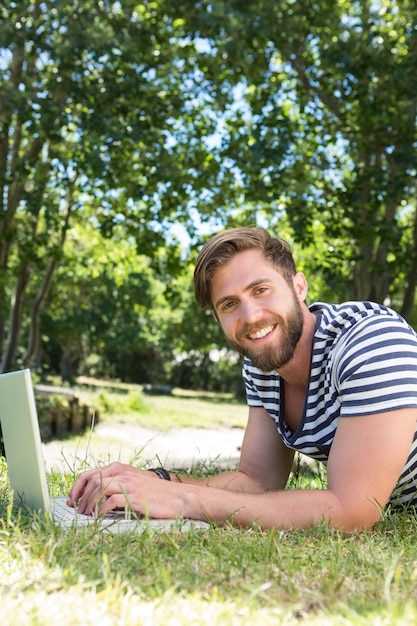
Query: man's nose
[[250, 311]]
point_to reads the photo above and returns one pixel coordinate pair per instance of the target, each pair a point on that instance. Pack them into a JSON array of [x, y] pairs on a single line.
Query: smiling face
[[259, 311]]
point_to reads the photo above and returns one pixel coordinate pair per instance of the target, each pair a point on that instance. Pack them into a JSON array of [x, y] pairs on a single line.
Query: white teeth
[[261, 333]]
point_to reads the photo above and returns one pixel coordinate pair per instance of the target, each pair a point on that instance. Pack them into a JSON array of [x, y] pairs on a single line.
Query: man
[[336, 382]]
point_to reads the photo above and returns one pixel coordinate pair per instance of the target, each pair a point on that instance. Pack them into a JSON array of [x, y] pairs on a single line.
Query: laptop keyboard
[[67, 514], [117, 521]]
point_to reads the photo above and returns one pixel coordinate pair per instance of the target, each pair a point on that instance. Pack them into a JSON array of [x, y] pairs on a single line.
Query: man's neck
[[297, 371]]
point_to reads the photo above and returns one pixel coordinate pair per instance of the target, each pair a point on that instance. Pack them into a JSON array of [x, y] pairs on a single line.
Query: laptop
[[26, 468]]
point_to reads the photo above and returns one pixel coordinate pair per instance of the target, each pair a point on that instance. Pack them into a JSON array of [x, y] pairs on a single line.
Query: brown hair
[[220, 249]]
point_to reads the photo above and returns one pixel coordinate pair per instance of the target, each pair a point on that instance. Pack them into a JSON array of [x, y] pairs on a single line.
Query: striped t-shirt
[[364, 361]]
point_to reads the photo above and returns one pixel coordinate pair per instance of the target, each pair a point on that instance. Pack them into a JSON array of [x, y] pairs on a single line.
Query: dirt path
[[177, 448]]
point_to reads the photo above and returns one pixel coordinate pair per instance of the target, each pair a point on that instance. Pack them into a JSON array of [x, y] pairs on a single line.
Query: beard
[[274, 357]]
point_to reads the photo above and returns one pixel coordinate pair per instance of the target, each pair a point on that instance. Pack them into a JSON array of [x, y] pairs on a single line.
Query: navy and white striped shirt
[[364, 361]]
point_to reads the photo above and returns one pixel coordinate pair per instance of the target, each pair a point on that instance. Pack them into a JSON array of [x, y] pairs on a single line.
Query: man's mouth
[[258, 334]]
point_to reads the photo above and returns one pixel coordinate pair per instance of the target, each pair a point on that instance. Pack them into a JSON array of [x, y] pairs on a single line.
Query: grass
[[123, 403], [179, 410], [219, 576]]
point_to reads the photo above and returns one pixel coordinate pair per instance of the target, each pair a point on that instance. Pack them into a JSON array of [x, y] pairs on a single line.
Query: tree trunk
[[16, 311], [411, 277], [41, 296], [36, 310]]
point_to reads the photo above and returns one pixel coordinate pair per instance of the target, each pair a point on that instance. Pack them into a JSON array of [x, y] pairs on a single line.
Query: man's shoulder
[[339, 317], [352, 308]]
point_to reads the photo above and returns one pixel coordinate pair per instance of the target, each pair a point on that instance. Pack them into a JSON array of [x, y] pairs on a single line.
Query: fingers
[[116, 501], [79, 486], [87, 477], [94, 490]]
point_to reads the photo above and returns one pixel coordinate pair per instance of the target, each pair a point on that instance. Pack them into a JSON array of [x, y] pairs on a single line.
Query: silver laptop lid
[[22, 441]]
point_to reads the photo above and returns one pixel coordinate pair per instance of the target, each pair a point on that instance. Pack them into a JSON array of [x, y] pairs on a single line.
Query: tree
[[326, 128], [107, 314], [95, 108], [138, 116]]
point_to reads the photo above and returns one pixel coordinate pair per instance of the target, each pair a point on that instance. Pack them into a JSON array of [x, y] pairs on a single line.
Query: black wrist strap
[[160, 472]]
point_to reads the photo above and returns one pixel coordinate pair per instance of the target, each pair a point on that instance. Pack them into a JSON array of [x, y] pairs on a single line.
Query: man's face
[[258, 310]]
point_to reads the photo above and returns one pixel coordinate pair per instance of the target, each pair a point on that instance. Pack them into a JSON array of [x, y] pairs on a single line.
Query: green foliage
[[122, 404], [201, 370], [113, 316], [96, 131], [325, 130], [121, 120]]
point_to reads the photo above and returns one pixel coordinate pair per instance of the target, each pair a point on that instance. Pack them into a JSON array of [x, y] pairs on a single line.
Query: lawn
[[217, 576], [128, 404]]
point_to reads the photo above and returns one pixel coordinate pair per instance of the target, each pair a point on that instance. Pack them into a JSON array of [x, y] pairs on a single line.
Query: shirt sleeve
[[376, 367]]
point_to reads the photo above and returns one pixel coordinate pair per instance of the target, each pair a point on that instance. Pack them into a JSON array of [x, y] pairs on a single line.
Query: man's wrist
[[161, 472]]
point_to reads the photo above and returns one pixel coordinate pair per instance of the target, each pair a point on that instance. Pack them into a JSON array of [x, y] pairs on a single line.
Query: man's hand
[[119, 485]]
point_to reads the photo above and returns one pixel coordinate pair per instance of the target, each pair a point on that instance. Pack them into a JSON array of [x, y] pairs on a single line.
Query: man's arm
[[265, 464], [366, 460]]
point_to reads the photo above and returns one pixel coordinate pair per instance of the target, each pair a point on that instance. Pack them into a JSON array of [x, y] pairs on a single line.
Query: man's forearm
[[230, 481], [285, 510]]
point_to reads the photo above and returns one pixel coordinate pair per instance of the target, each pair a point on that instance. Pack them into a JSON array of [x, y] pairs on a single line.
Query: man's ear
[[300, 286]]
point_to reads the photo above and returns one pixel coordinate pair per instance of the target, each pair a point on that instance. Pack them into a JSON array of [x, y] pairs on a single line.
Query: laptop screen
[[22, 441]]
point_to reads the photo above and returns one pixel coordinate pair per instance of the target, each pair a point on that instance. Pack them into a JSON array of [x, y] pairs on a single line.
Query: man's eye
[[228, 305]]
